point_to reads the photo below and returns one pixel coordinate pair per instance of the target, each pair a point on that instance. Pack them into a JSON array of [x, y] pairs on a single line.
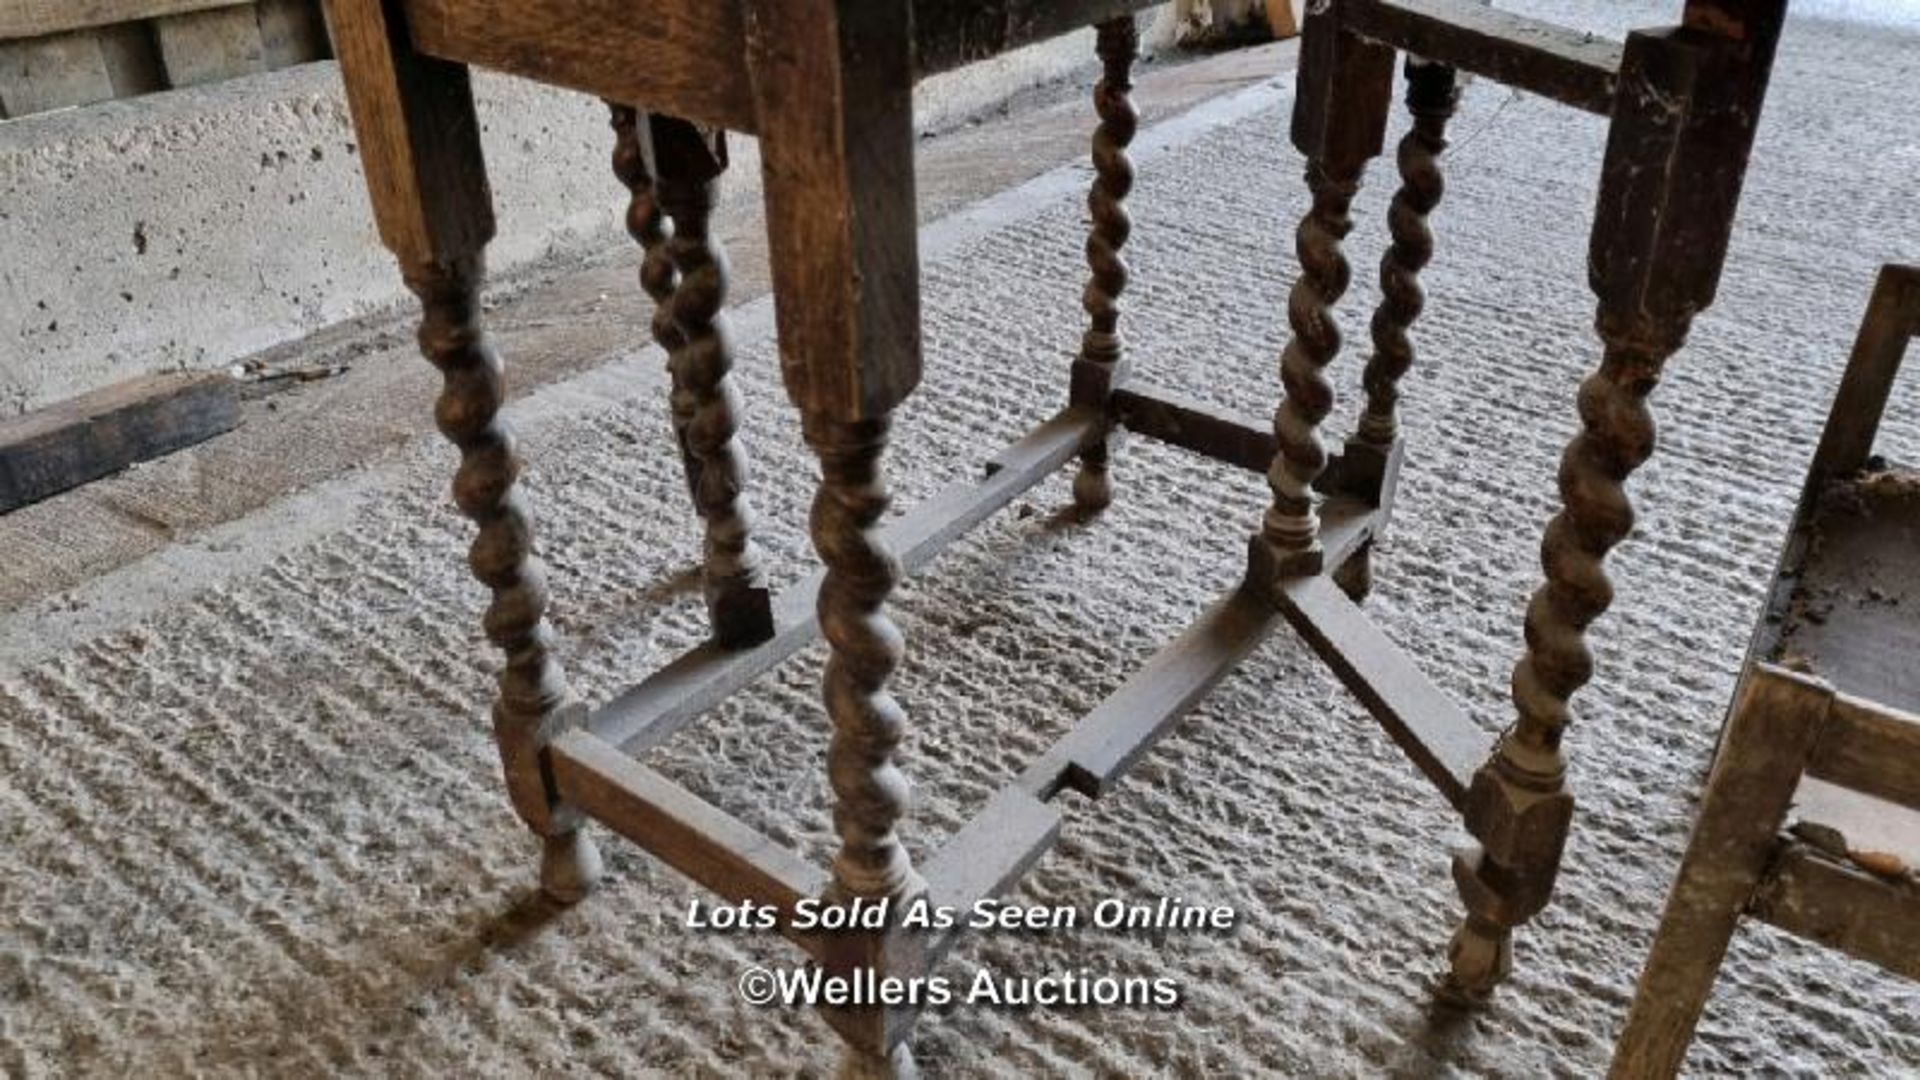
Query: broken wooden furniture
[[1811, 817], [1682, 105], [825, 85]]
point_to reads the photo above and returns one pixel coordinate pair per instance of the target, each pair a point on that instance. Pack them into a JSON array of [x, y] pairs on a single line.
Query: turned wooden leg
[[865, 647], [1345, 88], [832, 83], [1367, 465], [1432, 95], [1676, 157], [535, 702], [650, 227], [672, 169], [1099, 370], [420, 147]]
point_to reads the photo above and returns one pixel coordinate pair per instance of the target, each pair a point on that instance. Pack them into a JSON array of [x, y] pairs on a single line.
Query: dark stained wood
[[687, 57], [950, 33], [1569, 66], [1178, 420], [1437, 737], [1771, 732], [49, 450], [685, 831], [1841, 906], [666, 701]]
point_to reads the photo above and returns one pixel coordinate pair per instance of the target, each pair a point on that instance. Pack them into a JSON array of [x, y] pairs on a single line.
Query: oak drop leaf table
[[826, 87]]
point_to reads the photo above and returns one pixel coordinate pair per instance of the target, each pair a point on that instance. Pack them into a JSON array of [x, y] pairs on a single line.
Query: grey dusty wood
[[1438, 738], [62, 446], [208, 46], [1841, 906], [1773, 726], [1822, 722], [690, 834]]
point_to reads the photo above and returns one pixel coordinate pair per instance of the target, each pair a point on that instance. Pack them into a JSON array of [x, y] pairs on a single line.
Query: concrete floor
[[250, 811]]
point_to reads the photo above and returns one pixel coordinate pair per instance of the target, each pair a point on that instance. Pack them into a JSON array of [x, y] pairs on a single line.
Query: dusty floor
[[249, 817]]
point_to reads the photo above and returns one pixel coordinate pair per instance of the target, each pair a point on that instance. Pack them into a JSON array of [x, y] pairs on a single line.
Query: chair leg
[[1099, 369], [832, 82], [1770, 735]]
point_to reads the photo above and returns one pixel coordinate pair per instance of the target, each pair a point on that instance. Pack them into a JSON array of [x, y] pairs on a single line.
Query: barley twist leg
[[534, 702], [1291, 527], [1098, 368], [688, 163], [1518, 806], [651, 228]]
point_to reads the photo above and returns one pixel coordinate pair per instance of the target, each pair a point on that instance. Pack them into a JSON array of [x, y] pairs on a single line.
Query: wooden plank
[[987, 858], [1843, 907], [1099, 750], [682, 57], [291, 32], [1871, 749], [65, 445], [1173, 418], [1771, 729], [418, 135], [208, 46], [672, 697], [38, 18], [683, 830], [1435, 734], [1569, 66], [55, 72]]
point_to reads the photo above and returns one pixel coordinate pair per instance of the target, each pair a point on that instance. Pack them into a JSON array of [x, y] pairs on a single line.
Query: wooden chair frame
[[826, 85], [1785, 725]]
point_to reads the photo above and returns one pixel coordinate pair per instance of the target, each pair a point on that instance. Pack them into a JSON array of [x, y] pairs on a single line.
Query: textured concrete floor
[[249, 819]]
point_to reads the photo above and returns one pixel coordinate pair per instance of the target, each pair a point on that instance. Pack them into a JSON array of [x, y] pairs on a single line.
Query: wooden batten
[[1811, 895]]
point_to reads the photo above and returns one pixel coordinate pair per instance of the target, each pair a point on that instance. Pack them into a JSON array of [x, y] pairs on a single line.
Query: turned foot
[[1480, 957], [1092, 485], [570, 866]]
